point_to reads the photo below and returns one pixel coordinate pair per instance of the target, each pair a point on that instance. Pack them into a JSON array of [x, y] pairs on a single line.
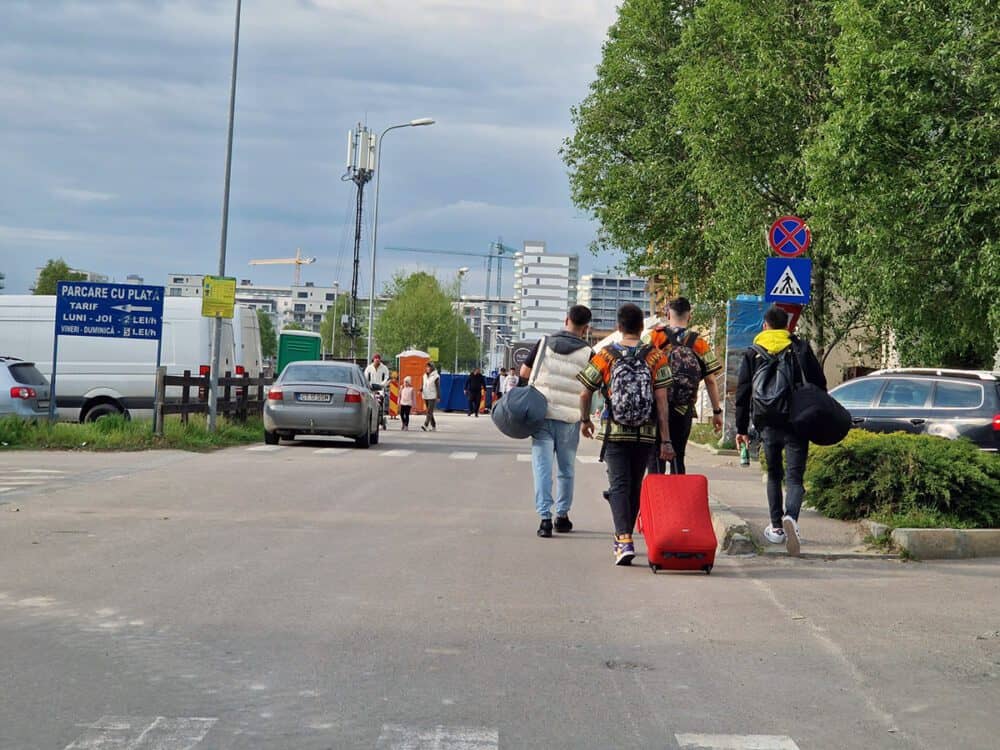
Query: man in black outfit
[[474, 386], [774, 341]]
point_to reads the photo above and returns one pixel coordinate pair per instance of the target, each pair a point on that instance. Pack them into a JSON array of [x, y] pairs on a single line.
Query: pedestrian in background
[[430, 389], [474, 385], [792, 361], [558, 359], [406, 396], [513, 381], [498, 379], [634, 378]]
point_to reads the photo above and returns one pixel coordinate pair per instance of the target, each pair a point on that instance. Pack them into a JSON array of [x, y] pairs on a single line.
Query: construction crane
[[298, 260], [502, 253]]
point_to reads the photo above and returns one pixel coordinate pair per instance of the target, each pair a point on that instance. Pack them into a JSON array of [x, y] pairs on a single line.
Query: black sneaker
[[545, 528], [607, 495], [563, 525]]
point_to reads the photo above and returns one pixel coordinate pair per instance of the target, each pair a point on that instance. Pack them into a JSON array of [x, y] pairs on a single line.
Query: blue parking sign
[[788, 280]]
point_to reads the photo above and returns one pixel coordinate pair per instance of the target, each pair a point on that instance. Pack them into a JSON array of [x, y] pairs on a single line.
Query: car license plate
[[43, 404], [314, 397]]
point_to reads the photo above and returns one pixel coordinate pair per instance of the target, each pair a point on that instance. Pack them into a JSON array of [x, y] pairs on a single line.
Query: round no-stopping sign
[[789, 236]]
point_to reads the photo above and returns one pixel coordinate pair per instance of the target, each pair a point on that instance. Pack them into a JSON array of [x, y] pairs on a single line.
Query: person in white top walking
[[558, 358], [377, 373], [430, 389]]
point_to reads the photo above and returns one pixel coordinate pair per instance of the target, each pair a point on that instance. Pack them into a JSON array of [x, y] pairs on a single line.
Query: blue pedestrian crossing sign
[[788, 280]]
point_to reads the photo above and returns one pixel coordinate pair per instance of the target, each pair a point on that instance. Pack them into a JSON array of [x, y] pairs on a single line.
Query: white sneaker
[[792, 535], [774, 536]]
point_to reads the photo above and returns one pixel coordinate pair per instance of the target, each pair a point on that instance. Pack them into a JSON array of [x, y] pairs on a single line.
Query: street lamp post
[[378, 177], [458, 321]]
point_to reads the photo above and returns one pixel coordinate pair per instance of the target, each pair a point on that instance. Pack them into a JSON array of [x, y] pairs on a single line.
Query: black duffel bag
[[520, 412], [818, 417]]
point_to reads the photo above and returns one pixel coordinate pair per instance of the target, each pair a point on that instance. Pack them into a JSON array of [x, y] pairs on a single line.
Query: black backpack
[[774, 381], [685, 367], [631, 385]]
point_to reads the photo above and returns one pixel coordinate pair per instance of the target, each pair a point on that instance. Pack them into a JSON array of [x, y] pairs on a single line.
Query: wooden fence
[[241, 396]]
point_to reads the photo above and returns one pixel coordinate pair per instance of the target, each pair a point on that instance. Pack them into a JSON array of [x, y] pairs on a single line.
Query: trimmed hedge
[[894, 474]]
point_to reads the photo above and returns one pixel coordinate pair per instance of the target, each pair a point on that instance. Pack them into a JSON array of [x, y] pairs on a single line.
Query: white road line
[[524, 457], [397, 453], [588, 459], [7, 489], [396, 737], [464, 455], [143, 733], [22, 482], [39, 471], [735, 742], [265, 448], [330, 451]]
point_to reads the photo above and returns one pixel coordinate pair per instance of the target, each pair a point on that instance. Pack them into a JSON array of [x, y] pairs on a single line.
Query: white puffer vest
[[557, 382]]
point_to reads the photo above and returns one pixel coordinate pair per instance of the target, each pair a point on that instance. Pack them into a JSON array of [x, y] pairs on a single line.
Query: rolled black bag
[[818, 417], [520, 412]]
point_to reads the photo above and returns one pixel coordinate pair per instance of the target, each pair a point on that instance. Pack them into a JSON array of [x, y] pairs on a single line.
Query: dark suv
[[947, 403]]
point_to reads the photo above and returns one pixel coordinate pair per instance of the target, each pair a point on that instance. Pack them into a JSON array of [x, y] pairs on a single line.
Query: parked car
[[947, 403], [24, 391], [321, 398]]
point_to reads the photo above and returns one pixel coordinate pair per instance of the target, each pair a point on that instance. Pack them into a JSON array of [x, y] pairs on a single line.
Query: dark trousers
[[404, 414], [626, 464], [474, 399], [795, 450], [680, 431], [429, 416]]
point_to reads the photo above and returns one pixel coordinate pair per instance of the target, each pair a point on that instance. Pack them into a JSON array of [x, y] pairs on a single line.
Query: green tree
[[268, 338], [906, 171], [628, 163], [54, 272], [293, 326], [420, 315]]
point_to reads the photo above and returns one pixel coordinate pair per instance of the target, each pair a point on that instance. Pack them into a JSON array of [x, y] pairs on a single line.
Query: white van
[[100, 376], [246, 341]]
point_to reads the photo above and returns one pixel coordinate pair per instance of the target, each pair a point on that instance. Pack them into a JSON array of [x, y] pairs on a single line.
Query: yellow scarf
[[774, 341]]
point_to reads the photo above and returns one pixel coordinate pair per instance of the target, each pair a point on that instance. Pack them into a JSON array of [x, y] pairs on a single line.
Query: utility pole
[[213, 391], [361, 146]]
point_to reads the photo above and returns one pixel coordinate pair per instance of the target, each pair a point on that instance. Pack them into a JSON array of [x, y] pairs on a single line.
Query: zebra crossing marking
[[397, 453], [398, 737], [735, 742], [524, 457], [463, 455], [588, 459], [330, 452], [143, 733], [265, 448]]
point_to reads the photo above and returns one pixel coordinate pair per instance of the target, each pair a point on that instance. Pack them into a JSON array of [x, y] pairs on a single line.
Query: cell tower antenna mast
[[361, 148]]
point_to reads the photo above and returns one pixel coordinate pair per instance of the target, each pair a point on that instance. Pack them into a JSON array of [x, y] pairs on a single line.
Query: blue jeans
[[561, 440]]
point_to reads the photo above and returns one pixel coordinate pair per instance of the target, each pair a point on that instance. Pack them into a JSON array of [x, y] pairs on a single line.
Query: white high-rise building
[[544, 289], [604, 293]]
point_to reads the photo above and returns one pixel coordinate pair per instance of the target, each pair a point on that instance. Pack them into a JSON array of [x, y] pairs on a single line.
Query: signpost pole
[[52, 380], [213, 393], [157, 396]]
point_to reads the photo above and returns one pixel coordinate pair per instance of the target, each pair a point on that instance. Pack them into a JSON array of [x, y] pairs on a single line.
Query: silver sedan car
[[321, 398], [24, 391]]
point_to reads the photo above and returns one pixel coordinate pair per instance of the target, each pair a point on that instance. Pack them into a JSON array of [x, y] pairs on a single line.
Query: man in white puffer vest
[[566, 353]]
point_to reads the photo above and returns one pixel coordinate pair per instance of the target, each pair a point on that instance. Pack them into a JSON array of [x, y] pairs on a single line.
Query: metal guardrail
[[241, 397]]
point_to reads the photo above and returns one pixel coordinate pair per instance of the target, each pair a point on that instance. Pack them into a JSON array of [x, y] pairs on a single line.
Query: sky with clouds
[[112, 139]]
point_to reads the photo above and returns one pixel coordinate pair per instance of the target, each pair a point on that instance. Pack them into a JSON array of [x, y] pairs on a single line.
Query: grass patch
[[115, 433], [920, 518], [702, 432]]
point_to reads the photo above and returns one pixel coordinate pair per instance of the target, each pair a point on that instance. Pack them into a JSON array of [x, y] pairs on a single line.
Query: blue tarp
[[453, 392]]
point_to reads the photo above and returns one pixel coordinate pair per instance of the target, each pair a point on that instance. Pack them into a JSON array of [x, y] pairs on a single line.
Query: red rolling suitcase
[[676, 522]]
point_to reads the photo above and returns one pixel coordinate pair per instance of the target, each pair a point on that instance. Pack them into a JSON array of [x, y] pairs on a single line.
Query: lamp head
[[421, 121]]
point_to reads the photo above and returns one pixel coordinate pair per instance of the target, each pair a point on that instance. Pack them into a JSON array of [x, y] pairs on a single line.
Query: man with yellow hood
[[789, 358]]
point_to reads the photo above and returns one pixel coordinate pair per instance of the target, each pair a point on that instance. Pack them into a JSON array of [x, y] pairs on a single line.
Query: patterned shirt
[[597, 376], [709, 361]]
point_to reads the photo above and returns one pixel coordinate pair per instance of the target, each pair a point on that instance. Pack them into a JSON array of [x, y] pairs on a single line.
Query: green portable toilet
[[295, 346]]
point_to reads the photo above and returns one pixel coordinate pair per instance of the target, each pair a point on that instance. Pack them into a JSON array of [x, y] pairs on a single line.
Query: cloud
[[83, 196], [115, 121]]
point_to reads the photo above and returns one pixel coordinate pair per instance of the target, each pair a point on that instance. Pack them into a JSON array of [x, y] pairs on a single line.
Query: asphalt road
[[319, 596]]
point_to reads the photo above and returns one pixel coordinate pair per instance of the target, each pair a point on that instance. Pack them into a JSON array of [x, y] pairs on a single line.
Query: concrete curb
[[733, 532], [947, 544]]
